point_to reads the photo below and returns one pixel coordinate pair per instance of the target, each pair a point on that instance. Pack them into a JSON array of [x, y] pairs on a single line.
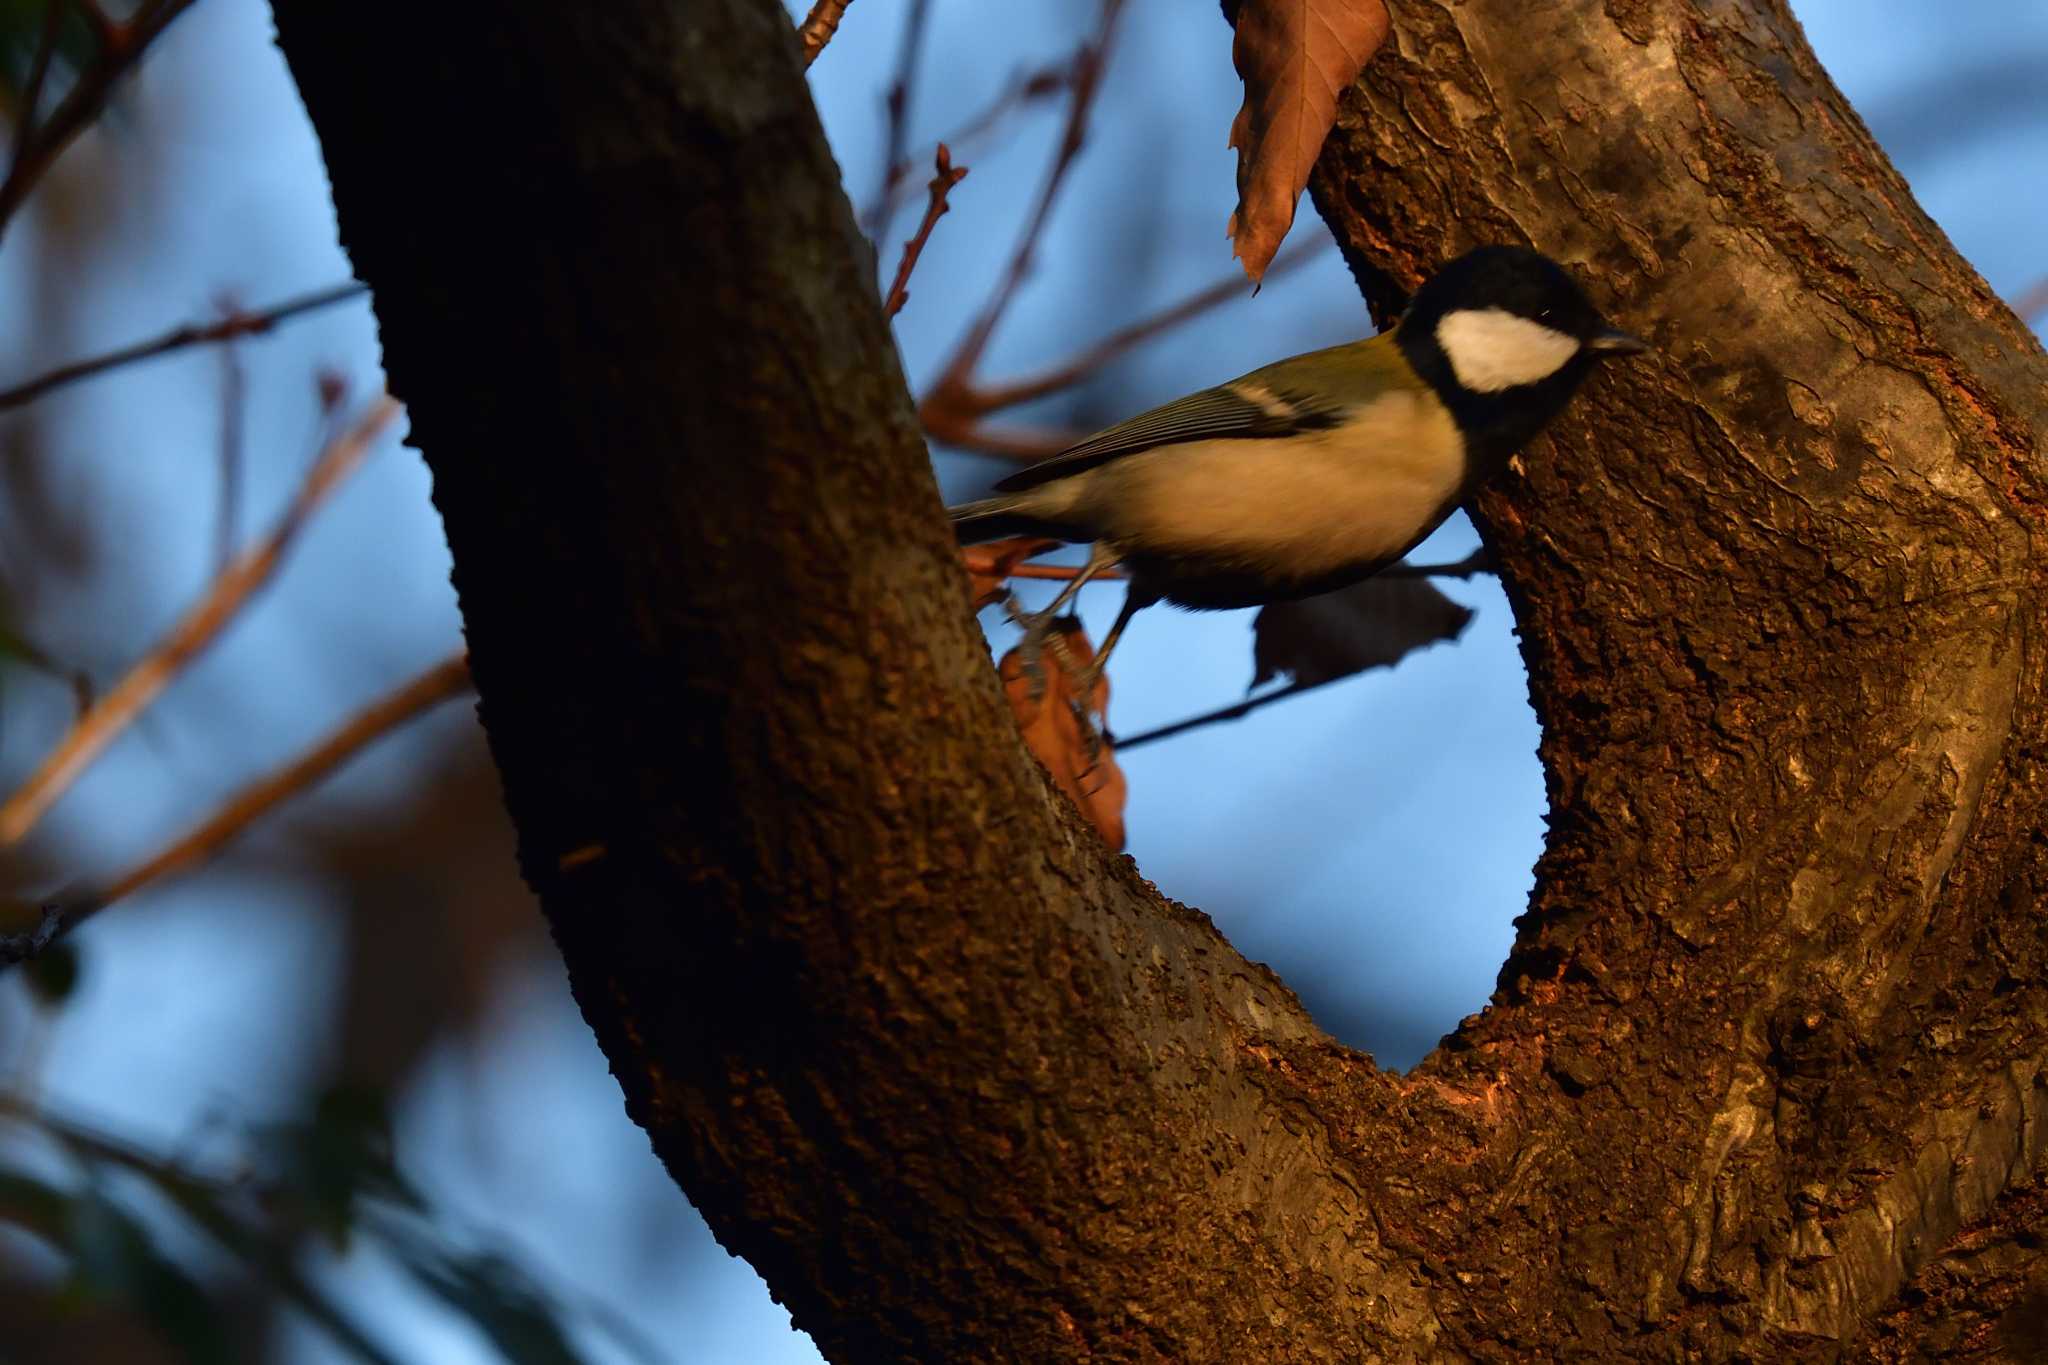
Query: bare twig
[[38, 72], [121, 46], [1060, 573], [1480, 561], [26, 651], [946, 176], [200, 626], [1023, 88], [105, 31], [819, 26], [1088, 66], [952, 409], [234, 409], [1235, 711], [979, 401], [898, 106], [1010, 444], [2032, 301], [445, 680], [234, 325]]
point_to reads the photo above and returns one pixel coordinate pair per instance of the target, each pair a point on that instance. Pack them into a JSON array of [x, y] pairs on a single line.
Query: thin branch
[[38, 72], [27, 653], [121, 46], [819, 26], [105, 31], [443, 682], [898, 105], [979, 401], [1011, 445], [1060, 573], [234, 411], [1088, 67], [1023, 88], [234, 325], [947, 176], [1235, 711], [1480, 561], [201, 625]]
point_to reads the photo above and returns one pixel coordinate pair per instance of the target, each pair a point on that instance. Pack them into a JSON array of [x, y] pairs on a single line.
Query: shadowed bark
[[954, 1078]]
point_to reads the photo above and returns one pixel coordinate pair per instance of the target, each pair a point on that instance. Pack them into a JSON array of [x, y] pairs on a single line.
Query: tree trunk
[[954, 1078]]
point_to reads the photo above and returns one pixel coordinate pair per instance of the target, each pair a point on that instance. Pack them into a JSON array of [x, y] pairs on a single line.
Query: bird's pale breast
[[1359, 494]]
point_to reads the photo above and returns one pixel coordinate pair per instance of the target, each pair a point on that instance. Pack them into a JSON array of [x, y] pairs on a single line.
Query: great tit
[[1315, 472]]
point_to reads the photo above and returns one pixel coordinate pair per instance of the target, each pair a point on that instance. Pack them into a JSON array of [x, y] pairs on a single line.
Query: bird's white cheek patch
[[1491, 349]]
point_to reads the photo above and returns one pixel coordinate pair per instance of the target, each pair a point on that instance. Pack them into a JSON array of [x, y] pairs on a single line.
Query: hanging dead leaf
[[1295, 58], [1368, 625], [1055, 738], [990, 565]]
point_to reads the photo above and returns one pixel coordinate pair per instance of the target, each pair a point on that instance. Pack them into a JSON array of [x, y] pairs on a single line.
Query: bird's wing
[[1251, 407]]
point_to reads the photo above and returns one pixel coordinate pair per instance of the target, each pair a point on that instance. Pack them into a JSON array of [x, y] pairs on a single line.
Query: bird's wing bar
[[1244, 408]]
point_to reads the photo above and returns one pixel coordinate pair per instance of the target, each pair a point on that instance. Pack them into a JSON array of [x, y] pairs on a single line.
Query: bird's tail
[[992, 519]]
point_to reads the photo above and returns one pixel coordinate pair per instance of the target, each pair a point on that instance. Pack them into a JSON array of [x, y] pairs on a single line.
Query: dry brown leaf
[[989, 565], [1295, 58], [1374, 624], [1053, 735]]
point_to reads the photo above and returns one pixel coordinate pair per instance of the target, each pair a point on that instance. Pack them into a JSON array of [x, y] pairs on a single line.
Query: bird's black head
[[1504, 335]]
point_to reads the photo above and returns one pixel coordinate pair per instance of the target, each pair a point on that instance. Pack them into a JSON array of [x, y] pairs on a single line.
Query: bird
[[1313, 473]]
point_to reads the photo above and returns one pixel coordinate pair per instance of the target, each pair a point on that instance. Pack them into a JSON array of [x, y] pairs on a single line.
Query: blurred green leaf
[[21, 33], [336, 1175], [325, 1168], [36, 1205], [53, 973], [494, 1294], [114, 1256], [268, 1253]]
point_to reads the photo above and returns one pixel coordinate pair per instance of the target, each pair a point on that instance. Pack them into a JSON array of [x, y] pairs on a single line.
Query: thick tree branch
[[955, 1081], [655, 692], [1777, 595]]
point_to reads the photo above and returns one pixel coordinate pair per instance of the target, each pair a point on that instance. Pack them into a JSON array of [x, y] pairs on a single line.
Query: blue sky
[[1372, 841]]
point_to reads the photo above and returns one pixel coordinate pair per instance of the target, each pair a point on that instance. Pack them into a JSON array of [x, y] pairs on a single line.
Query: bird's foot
[[1041, 637], [1081, 702], [1093, 736], [1044, 635]]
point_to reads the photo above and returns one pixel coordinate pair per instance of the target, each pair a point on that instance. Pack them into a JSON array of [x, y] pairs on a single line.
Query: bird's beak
[[1616, 342]]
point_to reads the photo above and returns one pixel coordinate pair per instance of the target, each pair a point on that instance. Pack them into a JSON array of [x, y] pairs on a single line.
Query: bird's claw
[[1093, 736], [1042, 637], [1037, 628]]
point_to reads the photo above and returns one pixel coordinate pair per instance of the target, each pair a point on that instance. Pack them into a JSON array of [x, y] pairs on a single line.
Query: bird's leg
[[1037, 625], [1135, 600]]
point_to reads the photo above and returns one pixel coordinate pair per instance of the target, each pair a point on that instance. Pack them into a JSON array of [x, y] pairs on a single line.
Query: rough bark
[[954, 1078]]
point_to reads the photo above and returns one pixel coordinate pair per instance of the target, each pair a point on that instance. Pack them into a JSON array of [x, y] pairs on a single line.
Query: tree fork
[[953, 1078]]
